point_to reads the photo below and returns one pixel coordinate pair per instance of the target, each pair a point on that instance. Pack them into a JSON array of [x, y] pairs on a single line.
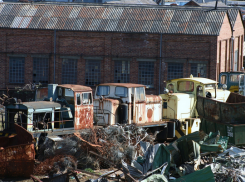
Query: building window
[[199, 68], [175, 70], [92, 74], [16, 69], [146, 73], [121, 72], [69, 71], [40, 70]]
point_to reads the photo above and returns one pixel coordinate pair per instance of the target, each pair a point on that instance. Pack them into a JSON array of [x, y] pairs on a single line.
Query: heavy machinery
[[180, 100], [127, 103], [67, 108], [230, 80]]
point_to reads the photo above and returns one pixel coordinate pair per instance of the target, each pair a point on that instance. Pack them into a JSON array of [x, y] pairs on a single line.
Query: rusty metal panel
[[223, 112], [83, 114], [75, 11], [118, 19], [17, 154]]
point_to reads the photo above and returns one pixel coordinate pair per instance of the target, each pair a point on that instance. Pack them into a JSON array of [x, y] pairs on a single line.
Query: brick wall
[[114, 45]]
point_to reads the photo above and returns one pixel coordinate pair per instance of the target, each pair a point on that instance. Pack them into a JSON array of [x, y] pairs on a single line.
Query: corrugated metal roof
[[113, 18]]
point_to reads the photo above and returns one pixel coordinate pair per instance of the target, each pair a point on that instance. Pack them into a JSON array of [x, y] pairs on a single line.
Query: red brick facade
[[212, 50]]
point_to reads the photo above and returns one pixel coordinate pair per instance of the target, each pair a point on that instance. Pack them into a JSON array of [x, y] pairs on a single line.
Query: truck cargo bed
[[231, 111]]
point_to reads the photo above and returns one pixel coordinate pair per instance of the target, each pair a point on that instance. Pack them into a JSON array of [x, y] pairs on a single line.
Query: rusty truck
[[180, 101], [67, 108]]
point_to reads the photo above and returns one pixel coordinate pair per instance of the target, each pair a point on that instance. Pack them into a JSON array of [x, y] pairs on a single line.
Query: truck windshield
[[185, 86], [234, 78], [121, 91], [210, 86], [102, 90]]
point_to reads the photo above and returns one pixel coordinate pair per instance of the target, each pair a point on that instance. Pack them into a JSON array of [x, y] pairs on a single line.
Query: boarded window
[[92, 75], [146, 73], [69, 71], [16, 69], [175, 70], [121, 73], [40, 70], [199, 68]]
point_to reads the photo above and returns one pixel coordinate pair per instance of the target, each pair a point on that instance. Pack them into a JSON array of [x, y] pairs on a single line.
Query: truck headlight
[[224, 86]]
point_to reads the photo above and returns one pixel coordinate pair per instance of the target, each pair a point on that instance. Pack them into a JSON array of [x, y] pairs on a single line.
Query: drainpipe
[[160, 63], [232, 50], [54, 52]]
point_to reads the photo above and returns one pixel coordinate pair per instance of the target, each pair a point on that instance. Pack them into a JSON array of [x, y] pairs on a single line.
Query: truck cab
[[125, 103], [179, 100], [230, 79]]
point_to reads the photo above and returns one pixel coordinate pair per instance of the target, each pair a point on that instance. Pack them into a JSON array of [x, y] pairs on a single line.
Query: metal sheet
[[83, 114], [16, 22], [119, 19], [1, 7], [25, 22], [17, 160]]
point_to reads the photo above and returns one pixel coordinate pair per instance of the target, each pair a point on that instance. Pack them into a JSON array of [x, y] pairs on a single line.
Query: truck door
[[83, 110]]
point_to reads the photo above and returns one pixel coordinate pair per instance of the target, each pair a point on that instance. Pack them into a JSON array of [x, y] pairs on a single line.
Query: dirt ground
[[83, 177]]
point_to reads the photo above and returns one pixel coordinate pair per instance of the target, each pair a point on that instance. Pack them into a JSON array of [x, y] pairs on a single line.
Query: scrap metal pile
[[132, 151], [135, 156]]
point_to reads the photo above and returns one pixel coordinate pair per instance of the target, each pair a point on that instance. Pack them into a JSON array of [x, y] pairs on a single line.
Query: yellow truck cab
[[180, 97]]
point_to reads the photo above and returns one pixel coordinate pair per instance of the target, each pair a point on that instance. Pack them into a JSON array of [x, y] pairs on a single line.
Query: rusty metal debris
[[17, 154]]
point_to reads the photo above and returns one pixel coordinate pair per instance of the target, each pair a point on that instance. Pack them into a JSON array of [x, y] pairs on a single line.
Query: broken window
[[175, 70], [16, 69], [92, 73], [69, 71], [199, 68], [40, 70], [87, 98], [146, 73], [121, 73]]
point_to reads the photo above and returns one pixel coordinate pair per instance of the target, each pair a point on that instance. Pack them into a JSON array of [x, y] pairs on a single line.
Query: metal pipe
[[232, 51], [160, 63], [54, 52]]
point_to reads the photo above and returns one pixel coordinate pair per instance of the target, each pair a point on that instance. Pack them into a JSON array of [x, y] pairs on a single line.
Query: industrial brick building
[[90, 44]]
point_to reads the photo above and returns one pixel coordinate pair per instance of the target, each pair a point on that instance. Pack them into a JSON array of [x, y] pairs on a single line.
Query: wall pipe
[[54, 52], [232, 51], [160, 63]]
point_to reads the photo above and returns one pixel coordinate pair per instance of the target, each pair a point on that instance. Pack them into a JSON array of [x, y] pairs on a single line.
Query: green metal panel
[[222, 128], [210, 127], [235, 132], [203, 175]]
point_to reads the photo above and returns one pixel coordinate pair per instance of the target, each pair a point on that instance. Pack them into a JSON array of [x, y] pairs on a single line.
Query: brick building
[[90, 44]]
